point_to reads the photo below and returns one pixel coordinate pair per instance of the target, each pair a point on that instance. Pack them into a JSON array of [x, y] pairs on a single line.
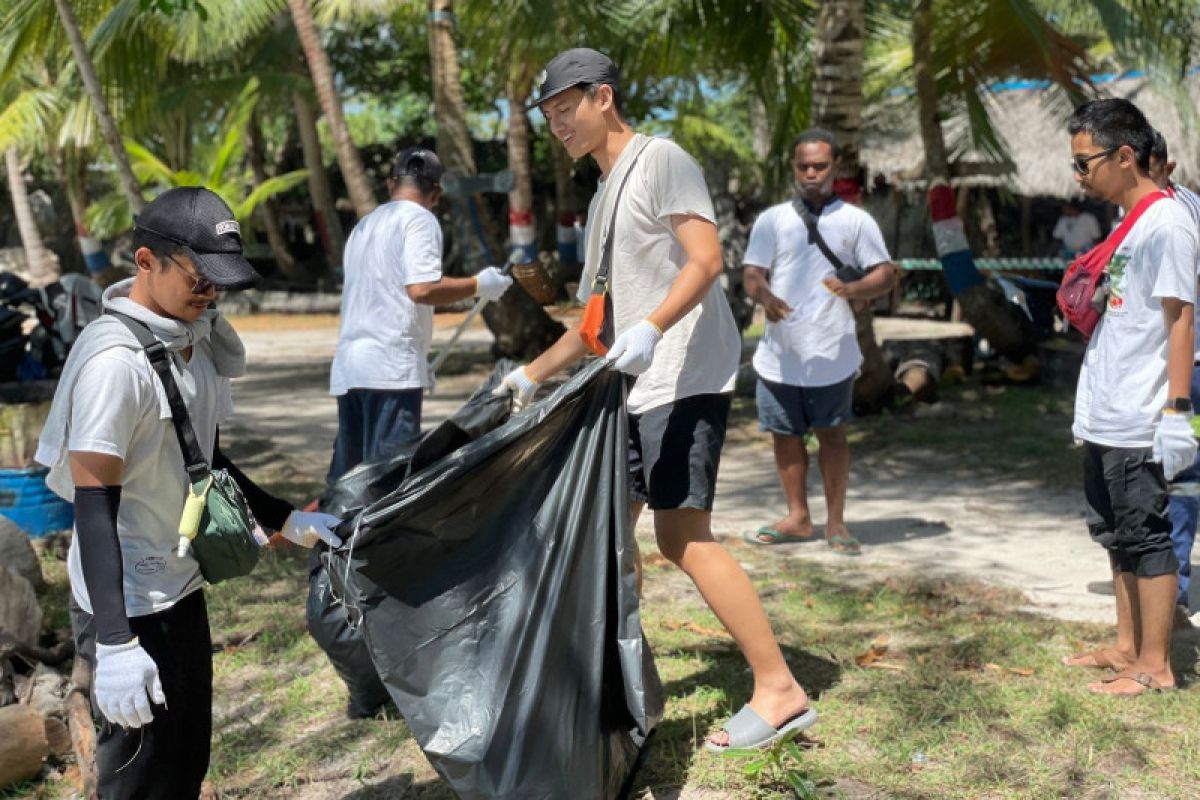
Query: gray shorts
[[1127, 509], [795, 410]]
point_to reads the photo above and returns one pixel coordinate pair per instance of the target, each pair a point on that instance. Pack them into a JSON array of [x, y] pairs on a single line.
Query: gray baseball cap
[[574, 67]]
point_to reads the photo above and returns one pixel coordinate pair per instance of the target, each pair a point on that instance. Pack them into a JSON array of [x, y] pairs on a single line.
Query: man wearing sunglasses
[[1133, 405], [138, 607]]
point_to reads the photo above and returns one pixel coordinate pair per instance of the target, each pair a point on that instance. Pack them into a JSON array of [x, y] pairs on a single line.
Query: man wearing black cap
[[393, 280], [138, 609], [673, 330]]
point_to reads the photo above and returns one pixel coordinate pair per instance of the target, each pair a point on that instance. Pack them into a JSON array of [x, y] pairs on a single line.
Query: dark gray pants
[[1127, 509]]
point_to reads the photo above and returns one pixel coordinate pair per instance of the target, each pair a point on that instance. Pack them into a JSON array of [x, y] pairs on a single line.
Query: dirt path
[[1012, 532]]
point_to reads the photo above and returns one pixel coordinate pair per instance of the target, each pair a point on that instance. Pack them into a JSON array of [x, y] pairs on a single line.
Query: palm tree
[[521, 327], [42, 266], [329, 225], [217, 165], [361, 193], [837, 100], [956, 52], [87, 71], [837, 95]]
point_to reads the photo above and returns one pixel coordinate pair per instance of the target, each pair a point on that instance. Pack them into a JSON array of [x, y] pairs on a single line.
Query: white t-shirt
[[700, 353], [1123, 380], [1077, 233], [816, 344], [115, 410], [384, 337]]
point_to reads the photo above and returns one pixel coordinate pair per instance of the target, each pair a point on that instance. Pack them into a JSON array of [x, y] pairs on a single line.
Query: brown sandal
[[1148, 683]]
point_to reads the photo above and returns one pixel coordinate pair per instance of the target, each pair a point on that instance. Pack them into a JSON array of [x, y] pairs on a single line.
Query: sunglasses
[[201, 286], [1080, 163]]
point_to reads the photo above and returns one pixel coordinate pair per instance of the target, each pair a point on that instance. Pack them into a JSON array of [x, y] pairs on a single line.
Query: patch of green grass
[[967, 681]]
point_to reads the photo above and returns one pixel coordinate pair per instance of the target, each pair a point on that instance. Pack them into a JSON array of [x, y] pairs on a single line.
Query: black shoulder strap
[[814, 233], [193, 457], [605, 266]]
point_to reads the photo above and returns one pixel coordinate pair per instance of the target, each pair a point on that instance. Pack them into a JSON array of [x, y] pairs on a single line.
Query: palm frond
[[233, 132], [30, 118], [267, 189]]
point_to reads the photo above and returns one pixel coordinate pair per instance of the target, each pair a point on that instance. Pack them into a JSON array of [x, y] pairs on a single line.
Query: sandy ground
[[1012, 532]]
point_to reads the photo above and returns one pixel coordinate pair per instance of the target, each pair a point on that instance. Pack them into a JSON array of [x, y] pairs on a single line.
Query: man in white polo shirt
[[393, 280], [806, 260]]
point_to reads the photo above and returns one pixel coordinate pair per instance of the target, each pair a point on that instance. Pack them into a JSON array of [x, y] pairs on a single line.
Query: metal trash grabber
[[440, 358]]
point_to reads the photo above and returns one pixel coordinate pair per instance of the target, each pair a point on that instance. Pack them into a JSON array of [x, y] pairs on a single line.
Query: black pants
[[1127, 509], [167, 759]]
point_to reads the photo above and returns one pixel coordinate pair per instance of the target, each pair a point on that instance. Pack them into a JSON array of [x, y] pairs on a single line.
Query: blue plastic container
[[25, 499]]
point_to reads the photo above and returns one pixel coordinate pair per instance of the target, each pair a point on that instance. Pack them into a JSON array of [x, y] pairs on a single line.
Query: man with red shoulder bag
[[1133, 407]]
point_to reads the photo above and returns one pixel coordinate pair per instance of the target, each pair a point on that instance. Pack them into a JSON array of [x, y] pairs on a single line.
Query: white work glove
[[306, 528], [633, 351], [490, 283], [520, 385], [125, 674], [1174, 444]]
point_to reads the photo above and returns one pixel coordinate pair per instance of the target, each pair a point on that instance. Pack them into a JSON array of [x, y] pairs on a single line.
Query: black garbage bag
[[343, 644], [369, 481], [365, 483], [496, 589]]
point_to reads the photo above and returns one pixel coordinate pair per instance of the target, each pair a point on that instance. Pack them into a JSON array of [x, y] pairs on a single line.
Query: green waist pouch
[[218, 526]]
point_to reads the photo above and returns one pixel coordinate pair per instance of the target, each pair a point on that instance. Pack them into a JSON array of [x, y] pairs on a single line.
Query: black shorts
[[674, 452], [1127, 509]]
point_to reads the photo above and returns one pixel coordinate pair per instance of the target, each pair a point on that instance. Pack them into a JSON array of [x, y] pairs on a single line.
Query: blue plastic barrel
[[25, 499]]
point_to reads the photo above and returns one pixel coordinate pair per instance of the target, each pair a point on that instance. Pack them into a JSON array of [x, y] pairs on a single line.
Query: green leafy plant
[[781, 767]]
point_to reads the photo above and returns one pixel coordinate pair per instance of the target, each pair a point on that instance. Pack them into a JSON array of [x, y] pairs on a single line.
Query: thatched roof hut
[[1031, 120]]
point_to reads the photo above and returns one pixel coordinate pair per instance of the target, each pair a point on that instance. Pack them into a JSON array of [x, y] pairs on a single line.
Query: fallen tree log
[[83, 741], [23, 746]]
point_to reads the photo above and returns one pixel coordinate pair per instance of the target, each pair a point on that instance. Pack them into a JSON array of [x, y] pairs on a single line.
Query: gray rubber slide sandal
[[747, 730]]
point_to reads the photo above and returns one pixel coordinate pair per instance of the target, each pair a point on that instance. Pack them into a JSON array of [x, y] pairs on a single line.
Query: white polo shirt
[[816, 344], [384, 337]]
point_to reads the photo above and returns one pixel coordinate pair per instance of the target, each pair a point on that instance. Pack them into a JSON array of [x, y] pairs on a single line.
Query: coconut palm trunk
[[521, 327], [91, 83], [522, 226], [355, 176], [329, 226], [984, 308], [837, 106], [266, 211], [40, 262], [449, 107]]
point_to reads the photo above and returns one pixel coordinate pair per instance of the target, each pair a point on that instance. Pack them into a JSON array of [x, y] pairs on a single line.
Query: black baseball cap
[[575, 67], [199, 222], [419, 162]]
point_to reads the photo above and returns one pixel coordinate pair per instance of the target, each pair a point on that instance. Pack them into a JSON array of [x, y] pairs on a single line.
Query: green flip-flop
[[775, 537], [845, 545]]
